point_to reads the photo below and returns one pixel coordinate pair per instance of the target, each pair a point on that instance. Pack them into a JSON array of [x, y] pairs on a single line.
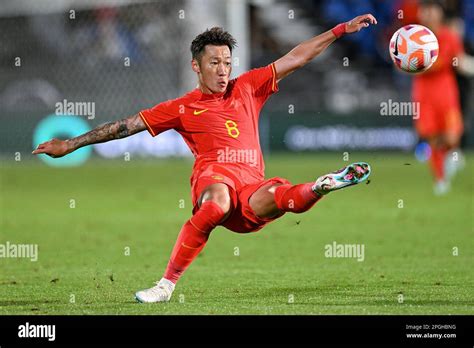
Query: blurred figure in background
[[440, 121]]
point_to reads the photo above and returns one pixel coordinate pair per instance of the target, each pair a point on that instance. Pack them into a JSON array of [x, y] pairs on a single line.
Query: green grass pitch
[[419, 249]]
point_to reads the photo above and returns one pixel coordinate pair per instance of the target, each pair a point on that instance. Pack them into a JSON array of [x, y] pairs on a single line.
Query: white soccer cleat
[[352, 174], [160, 293]]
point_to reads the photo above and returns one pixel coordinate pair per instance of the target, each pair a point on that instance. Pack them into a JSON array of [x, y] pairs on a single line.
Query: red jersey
[[438, 84], [222, 127]]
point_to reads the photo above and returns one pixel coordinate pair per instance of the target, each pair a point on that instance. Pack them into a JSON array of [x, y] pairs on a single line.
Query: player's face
[[430, 15], [214, 69]]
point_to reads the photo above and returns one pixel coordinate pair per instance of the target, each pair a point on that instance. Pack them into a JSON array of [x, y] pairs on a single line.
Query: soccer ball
[[414, 48]]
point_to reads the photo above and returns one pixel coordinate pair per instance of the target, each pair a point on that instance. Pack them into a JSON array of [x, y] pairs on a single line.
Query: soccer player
[[219, 122], [440, 121]]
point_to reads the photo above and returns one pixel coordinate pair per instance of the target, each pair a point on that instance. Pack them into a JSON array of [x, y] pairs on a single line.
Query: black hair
[[214, 36]]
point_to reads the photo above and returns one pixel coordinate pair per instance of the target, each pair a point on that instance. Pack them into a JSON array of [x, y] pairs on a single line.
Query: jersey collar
[[210, 96]]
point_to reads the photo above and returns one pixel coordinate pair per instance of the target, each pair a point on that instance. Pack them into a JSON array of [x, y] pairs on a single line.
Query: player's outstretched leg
[[191, 240], [271, 201], [352, 174]]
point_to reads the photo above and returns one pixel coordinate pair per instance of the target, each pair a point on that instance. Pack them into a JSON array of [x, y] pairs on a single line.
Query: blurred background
[[123, 56], [117, 57]]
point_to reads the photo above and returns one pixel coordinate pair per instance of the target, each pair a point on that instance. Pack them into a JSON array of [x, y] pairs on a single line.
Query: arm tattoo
[[109, 131], [123, 130]]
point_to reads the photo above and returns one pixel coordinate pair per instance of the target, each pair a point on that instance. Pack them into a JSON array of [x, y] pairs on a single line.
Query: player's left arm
[[462, 62], [308, 50], [466, 65]]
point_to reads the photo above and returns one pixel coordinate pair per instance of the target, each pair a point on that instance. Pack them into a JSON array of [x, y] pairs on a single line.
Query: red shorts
[[439, 119], [242, 218]]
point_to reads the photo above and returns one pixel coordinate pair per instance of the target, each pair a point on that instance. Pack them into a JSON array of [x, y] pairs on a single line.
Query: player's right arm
[[309, 49], [109, 131]]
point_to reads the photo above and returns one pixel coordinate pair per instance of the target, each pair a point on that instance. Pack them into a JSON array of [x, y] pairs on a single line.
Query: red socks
[[295, 198], [437, 162], [192, 238]]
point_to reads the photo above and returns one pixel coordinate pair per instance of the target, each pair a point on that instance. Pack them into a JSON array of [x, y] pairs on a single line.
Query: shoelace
[[159, 290]]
